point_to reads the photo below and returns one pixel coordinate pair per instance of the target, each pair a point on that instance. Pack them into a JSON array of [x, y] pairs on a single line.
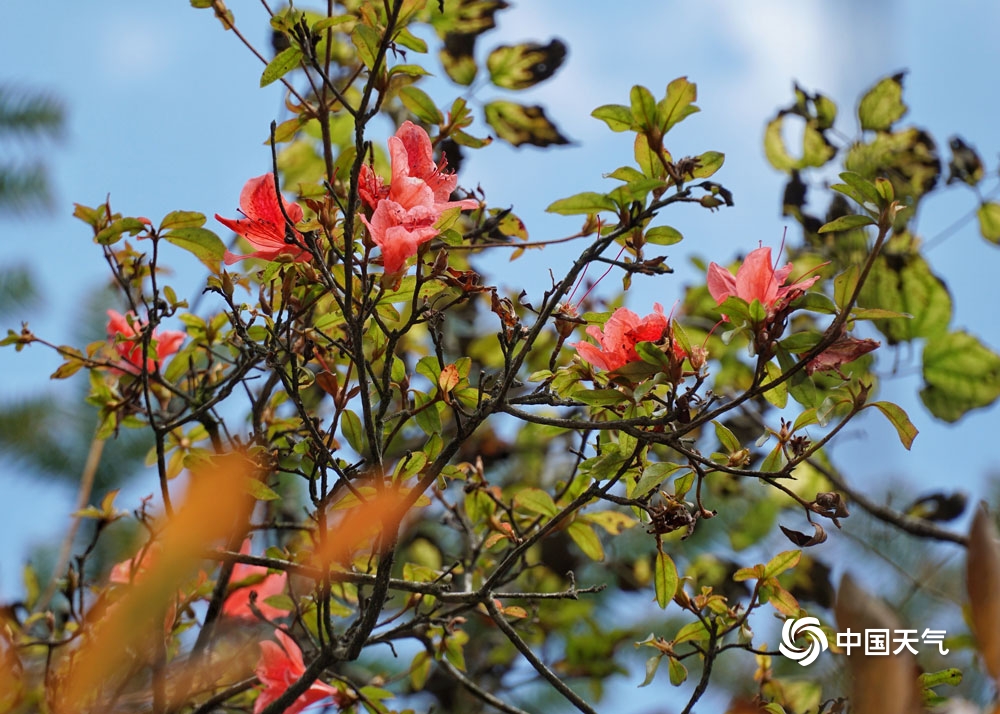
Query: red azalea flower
[[127, 341], [845, 349], [133, 569], [280, 665], [406, 210], [264, 224], [621, 333], [237, 603], [756, 279]]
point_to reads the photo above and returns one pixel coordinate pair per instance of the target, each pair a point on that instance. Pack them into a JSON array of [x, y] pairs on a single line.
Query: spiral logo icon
[[809, 628]]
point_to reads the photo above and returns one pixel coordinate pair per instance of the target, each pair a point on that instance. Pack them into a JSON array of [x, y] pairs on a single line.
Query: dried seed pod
[[982, 580], [880, 684]]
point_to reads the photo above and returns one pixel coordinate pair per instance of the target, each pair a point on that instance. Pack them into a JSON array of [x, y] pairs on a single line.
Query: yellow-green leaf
[[883, 105], [283, 63], [586, 539], [422, 106], [960, 373], [782, 562], [537, 501], [519, 124], [900, 420], [677, 104], [200, 242], [582, 203], [366, 40], [616, 116], [665, 578], [526, 64], [989, 221]]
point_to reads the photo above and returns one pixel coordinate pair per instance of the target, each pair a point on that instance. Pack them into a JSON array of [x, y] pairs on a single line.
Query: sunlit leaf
[[882, 106], [665, 579], [283, 63], [960, 374], [519, 124]]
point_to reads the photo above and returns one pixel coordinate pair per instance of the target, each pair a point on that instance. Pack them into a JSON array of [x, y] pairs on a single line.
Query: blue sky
[[165, 113]]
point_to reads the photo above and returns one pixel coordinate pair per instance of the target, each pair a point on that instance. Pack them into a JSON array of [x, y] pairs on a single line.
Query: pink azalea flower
[[280, 665], [756, 279], [237, 603], [128, 343], [406, 210], [845, 349], [621, 333], [264, 224]]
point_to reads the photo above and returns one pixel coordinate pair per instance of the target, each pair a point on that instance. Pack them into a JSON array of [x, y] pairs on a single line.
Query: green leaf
[[874, 313], [614, 522], [691, 631], [422, 106], [863, 186], [727, 438], [113, 233], [800, 385], [845, 284], [775, 459], [801, 341], [410, 70], [960, 373], [846, 223], [951, 676], [325, 23], [652, 664], [782, 562], [665, 578], [407, 39], [182, 219], [67, 369], [663, 235], [677, 671], [905, 284], [643, 107], [585, 537], [646, 158], [283, 63], [582, 203], [885, 191], [350, 425], [989, 221], [429, 418], [678, 104], [260, 490], [201, 242], [420, 670], [616, 116], [367, 41], [899, 419], [600, 397], [518, 124], [460, 67], [526, 64], [652, 476], [683, 484], [537, 501], [709, 163], [816, 150], [883, 105]]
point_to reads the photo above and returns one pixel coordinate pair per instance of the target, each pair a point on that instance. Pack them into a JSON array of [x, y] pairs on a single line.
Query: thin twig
[[476, 690], [914, 526], [532, 658], [82, 499]]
